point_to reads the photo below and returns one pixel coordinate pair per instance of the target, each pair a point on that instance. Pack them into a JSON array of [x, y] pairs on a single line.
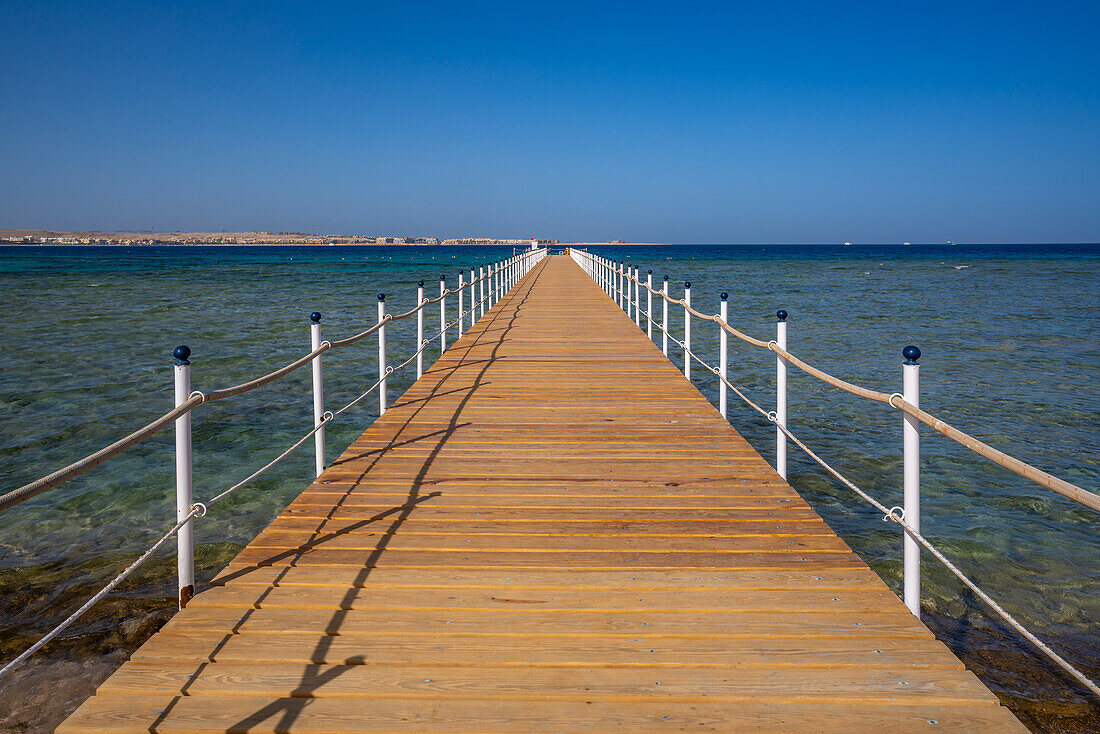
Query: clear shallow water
[[1008, 335]]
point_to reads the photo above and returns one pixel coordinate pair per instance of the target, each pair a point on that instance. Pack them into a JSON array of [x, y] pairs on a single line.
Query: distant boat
[[847, 244], [905, 243], [950, 242]]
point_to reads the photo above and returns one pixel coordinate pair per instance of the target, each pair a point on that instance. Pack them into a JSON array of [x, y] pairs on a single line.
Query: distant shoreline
[[45, 237]]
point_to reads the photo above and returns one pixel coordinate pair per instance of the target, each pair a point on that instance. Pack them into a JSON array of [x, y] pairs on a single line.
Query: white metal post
[[911, 440], [637, 298], [318, 393], [649, 303], [185, 537], [630, 291], [723, 356], [687, 331], [621, 296], [442, 314], [460, 315], [780, 395], [481, 287], [473, 298], [382, 368], [630, 269], [420, 329], [664, 316]]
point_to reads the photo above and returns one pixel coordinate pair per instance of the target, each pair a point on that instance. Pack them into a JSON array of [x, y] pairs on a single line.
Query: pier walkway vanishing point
[[552, 530]]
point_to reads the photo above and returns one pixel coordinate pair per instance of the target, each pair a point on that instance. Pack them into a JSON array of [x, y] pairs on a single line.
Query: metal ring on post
[[895, 395], [898, 516], [197, 393], [772, 416], [201, 507], [326, 344]]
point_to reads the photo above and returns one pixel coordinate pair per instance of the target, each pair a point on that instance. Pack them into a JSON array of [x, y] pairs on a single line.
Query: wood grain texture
[[550, 531]]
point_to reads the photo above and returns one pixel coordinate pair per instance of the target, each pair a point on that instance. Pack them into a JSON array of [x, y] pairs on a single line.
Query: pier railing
[[485, 286], [623, 284]]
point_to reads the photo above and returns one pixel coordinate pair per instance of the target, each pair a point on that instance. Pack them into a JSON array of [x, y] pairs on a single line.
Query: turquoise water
[[1008, 335]]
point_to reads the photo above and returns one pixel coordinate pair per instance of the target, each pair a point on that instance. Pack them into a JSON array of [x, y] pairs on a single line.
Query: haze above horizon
[[687, 122]]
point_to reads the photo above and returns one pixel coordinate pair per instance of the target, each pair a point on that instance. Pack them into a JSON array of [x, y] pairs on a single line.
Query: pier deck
[[552, 530]]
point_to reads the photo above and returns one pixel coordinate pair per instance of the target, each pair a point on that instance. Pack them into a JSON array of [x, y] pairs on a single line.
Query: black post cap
[[420, 283], [725, 295], [315, 317], [381, 296], [911, 354], [666, 277], [650, 272], [687, 284], [442, 277], [181, 353], [781, 315]]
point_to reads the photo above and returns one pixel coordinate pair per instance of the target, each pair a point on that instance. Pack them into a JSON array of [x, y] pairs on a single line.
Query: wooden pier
[[552, 530]]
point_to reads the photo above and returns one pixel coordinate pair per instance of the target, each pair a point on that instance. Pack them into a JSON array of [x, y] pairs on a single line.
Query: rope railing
[[52, 634], [890, 514], [60, 476], [894, 514], [1066, 489], [199, 509]]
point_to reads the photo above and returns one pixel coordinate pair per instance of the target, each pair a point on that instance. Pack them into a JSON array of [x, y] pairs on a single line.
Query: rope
[[100, 594], [899, 518], [327, 418], [198, 509], [1066, 489], [49, 481], [889, 514], [897, 515], [40, 485]]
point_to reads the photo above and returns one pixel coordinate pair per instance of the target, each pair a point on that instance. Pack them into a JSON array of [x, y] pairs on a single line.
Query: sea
[[1008, 335]]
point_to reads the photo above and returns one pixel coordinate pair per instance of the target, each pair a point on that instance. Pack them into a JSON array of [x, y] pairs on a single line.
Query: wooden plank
[[589, 651], [867, 624], [812, 581], [545, 600], [550, 531], [545, 683], [129, 714]]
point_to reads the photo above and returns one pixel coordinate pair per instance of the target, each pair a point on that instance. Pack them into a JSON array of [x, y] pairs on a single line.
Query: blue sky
[[681, 122]]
